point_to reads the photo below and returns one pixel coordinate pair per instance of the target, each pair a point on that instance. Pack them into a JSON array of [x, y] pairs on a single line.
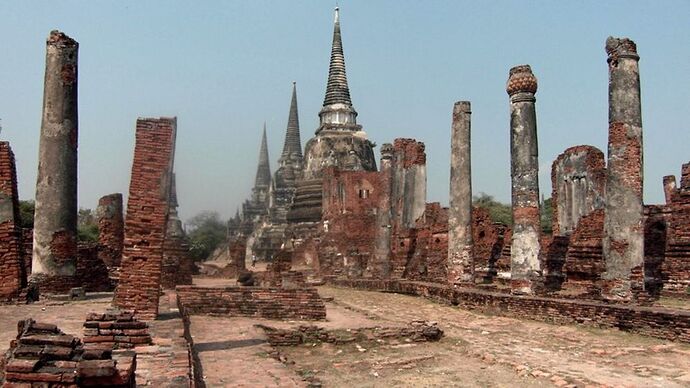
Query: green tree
[[499, 212], [26, 213], [87, 227], [206, 232], [546, 216]]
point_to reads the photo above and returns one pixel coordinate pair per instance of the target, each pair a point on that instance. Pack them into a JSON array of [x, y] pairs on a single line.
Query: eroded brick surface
[[12, 264], [147, 216]]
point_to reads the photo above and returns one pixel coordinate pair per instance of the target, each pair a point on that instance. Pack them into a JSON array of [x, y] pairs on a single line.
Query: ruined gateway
[[330, 219]]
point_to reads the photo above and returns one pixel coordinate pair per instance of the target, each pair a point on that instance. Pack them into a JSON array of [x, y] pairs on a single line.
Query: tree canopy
[[206, 232]]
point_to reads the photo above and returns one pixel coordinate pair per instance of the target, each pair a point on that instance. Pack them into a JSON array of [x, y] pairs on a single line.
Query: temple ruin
[[331, 219]]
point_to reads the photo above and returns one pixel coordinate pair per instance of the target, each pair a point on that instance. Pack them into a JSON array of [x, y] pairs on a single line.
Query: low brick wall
[[274, 303], [656, 322]]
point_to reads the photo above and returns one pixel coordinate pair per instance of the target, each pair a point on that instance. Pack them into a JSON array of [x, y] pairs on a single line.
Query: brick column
[[460, 260], [111, 232], [12, 270], [55, 220], [525, 268], [669, 187], [147, 217], [381, 267], [623, 243]]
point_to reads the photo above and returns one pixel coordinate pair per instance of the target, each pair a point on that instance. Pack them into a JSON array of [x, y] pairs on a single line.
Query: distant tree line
[[87, 225], [503, 213]]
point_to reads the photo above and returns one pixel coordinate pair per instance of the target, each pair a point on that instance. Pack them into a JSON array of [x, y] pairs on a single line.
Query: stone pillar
[[460, 260], [55, 221], [12, 270], [525, 268], [669, 187], [381, 267], [111, 230], [623, 230]]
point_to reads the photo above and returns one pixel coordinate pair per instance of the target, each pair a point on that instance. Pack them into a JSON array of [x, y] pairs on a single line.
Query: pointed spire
[[263, 171], [293, 144], [337, 91]]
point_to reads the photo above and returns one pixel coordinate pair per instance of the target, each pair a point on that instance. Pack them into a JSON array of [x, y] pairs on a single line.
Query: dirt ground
[[477, 351]]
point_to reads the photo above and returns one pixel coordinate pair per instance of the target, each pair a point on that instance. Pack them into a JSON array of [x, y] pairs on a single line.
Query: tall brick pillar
[[12, 270], [147, 217], [525, 268], [460, 261], [623, 243], [55, 221], [381, 267], [111, 230]]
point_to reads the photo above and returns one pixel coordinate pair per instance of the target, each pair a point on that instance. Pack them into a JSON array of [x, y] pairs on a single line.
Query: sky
[[226, 67]]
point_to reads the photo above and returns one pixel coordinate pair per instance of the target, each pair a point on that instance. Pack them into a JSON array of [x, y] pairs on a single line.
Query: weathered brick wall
[[552, 255], [408, 194], [655, 228], [661, 323], [584, 262], [487, 237], [111, 230], [27, 248], [428, 261], [675, 269], [177, 263], [12, 268], [92, 273], [147, 216], [578, 181], [350, 205], [259, 302]]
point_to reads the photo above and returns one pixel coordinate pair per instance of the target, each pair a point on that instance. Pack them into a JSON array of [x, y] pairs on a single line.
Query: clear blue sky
[[225, 67]]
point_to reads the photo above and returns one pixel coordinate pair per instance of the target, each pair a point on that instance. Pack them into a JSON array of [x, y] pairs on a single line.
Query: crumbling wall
[[350, 208], [12, 266], [409, 182], [578, 185], [92, 273], [428, 260], [675, 269], [584, 262], [488, 244], [147, 216]]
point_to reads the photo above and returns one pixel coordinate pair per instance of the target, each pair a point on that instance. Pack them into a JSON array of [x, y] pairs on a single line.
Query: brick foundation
[[416, 331], [661, 323], [272, 303]]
